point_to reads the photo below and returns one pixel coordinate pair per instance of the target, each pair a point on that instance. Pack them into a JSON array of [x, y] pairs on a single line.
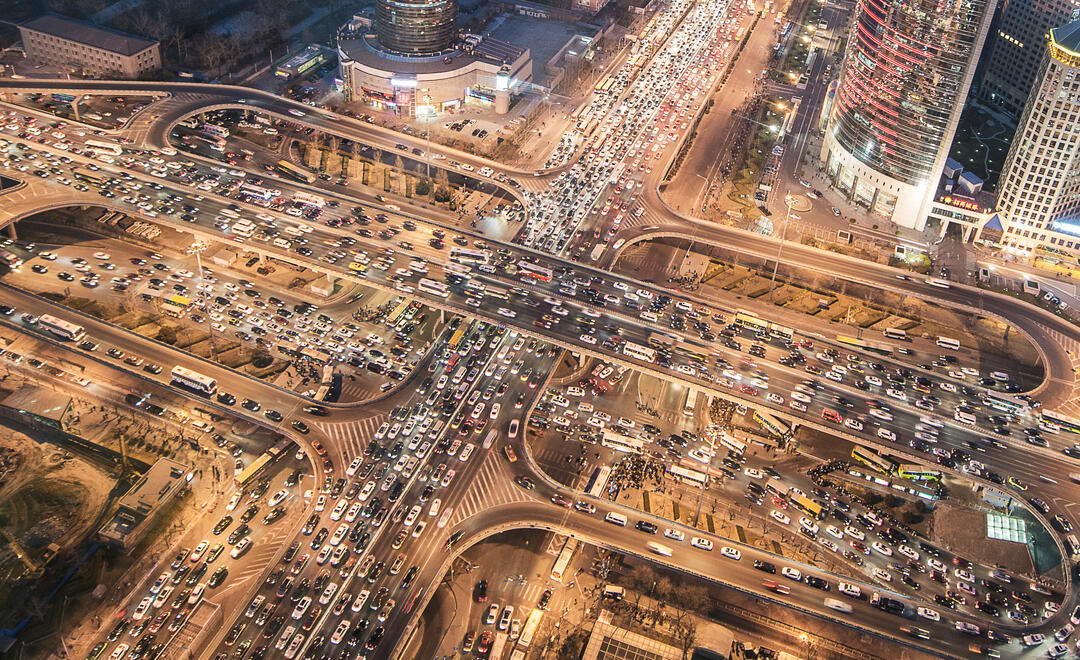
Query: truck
[[596, 252]]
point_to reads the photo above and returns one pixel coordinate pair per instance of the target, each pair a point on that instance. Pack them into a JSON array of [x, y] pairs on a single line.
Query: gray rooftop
[[88, 34], [1067, 36]]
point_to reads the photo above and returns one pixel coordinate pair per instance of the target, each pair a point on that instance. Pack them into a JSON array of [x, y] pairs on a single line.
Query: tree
[[167, 334], [423, 187]]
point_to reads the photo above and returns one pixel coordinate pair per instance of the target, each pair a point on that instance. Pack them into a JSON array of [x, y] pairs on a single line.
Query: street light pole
[[779, 250], [198, 248]]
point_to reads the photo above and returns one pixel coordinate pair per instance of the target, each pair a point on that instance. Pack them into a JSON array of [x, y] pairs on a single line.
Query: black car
[[768, 567], [253, 406], [318, 411], [645, 526], [817, 582], [525, 482], [273, 415], [300, 426]]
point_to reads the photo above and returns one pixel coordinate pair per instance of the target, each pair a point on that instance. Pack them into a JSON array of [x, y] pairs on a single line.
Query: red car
[[485, 643], [746, 389]]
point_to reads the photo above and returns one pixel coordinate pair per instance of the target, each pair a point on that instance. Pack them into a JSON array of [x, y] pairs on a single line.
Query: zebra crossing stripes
[[353, 436], [354, 392], [489, 487]]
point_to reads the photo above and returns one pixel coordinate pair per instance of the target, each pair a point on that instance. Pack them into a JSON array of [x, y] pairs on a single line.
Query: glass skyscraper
[[420, 27], [905, 78]]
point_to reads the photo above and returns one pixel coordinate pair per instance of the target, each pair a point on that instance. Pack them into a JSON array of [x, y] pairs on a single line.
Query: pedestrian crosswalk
[[352, 392], [489, 487], [353, 436]]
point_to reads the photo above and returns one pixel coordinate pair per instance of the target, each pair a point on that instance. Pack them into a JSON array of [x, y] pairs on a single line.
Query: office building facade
[[1015, 50], [1039, 189], [60, 41], [906, 75]]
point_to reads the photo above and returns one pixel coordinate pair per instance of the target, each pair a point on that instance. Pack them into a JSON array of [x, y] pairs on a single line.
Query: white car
[[780, 517], [828, 543], [855, 533], [882, 548], [754, 473], [277, 498], [883, 415], [199, 550], [927, 613], [701, 544], [833, 531], [908, 552], [791, 573], [731, 553], [675, 534], [849, 589], [882, 574]]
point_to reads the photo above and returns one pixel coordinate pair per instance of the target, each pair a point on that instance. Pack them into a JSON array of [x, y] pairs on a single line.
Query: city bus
[[308, 199], [690, 402], [639, 352], [256, 191], [670, 343], [1062, 422], [807, 506], [215, 143], [294, 172], [563, 560], [88, 177], [532, 271], [469, 256], [621, 443], [215, 130], [873, 460], [880, 348], [772, 424], [917, 472], [61, 328], [687, 475], [251, 473], [751, 322], [100, 147], [597, 484], [433, 287], [193, 380], [732, 443], [396, 315], [455, 340], [529, 629], [896, 333]]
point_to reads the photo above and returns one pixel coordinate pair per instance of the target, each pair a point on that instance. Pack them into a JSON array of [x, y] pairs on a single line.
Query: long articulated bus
[[563, 560], [193, 380], [257, 191], [1058, 422], [469, 256], [61, 328], [215, 130], [772, 424], [1006, 403], [88, 177], [294, 172], [873, 460], [252, 472], [663, 340]]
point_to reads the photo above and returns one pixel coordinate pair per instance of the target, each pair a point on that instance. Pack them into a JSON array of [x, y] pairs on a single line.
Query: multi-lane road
[[590, 311]]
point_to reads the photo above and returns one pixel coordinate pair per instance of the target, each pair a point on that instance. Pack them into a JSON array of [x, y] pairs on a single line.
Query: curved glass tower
[[905, 78], [416, 27]]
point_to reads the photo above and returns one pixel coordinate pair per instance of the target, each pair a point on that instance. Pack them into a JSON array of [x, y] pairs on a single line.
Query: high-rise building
[[416, 27], [1039, 189], [1016, 50], [905, 78]]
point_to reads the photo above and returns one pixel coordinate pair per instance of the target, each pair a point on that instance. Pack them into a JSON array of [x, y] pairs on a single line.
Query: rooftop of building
[[43, 403], [1067, 36], [364, 48], [154, 487], [88, 34]]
